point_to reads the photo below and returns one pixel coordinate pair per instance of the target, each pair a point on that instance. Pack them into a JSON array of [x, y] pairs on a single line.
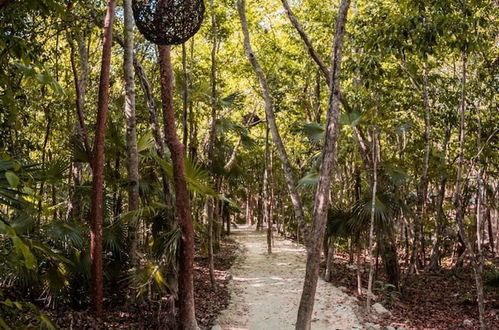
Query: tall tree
[[460, 196], [210, 202], [269, 111], [131, 123], [187, 316], [98, 163], [322, 195]]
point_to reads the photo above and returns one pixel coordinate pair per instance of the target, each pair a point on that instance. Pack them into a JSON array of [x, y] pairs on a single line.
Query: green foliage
[[491, 279], [388, 291]]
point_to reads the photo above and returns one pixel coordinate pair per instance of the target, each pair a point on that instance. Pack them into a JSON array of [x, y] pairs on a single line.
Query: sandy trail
[[265, 289]]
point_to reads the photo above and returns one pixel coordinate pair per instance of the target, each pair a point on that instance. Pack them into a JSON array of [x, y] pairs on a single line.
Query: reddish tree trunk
[[186, 286], [98, 163]]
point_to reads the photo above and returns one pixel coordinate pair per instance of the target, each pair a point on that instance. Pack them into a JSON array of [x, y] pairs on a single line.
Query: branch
[[306, 40]]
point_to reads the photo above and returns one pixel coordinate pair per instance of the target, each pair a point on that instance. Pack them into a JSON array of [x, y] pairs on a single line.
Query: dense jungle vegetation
[[365, 130]]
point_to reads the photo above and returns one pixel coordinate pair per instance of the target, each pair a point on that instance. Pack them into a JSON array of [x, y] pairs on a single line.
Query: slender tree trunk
[[48, 126], [476, 262], [248, 206], [269, 110], [80, 84], [359, 135], [423, 183], [321, 203], [329, 260], [98, 165], [490, 232], [151, 107], [131, 123], [371, 223], [232, 158], [211, 140], [317, 98], [440, 217], [210, 213], [359, 265], [266, 195], [185, 97], [154, 124], [186, 286]]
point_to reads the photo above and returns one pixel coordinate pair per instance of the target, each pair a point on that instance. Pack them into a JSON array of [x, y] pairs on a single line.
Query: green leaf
[[44, 78], [4, 325], [46, 323], [29, 258], [12, 178], [145, 142], [314, 131], [27, 70], [309, 181], [350, 118]]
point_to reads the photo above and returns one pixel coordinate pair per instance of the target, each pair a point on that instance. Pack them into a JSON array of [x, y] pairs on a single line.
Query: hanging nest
[[168, 22]]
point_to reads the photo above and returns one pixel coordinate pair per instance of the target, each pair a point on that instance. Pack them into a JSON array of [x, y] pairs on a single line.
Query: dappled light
[[257, 165]]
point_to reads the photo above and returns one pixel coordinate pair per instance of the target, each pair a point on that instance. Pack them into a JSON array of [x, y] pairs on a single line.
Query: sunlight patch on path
[[265, 290]]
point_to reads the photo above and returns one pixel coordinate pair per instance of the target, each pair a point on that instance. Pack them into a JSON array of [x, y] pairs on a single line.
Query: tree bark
[[329, 260], [186, 286], [269, 110], [321, 203], [423, 183], [80, 84], [151, 107], [98, 164], [131, 123], [476, 261], [210, 203], [440, 216], [371, 223], [185, 97], [359, 135], [266, 195]]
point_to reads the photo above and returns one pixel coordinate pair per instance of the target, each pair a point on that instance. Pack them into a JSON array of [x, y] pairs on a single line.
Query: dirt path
[[265, 290]]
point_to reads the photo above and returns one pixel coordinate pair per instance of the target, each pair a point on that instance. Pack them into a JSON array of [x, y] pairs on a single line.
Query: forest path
[[265, 289]]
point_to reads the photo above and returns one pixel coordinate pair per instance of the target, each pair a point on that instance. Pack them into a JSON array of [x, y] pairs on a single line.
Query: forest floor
[[431, 300], [265, 289], [121, 313]]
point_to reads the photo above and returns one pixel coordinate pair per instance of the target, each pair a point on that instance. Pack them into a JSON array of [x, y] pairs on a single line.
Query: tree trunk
[[490, 232], [440, 217], [358, 271], [266, 195], [154, 124], [131, 130], [232, 158], [359, 135], [371, 223], [269, 110], [423, 183], [185, 97], [329, 260], [210, 210], [476, 261], [98, 164], [390, 258], [321, 203], [211, 140], [186, 286], [151, 107], [80, 82]]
